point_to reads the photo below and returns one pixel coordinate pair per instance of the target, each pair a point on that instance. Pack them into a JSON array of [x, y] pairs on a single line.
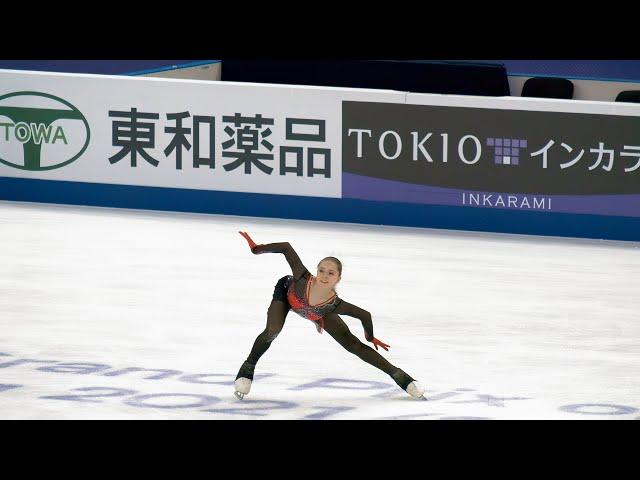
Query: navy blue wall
[[313, 208]]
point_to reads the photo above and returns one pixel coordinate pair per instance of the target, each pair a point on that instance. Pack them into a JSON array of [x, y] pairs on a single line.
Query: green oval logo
[[45, 130]]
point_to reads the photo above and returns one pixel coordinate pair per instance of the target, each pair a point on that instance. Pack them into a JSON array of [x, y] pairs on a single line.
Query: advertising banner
[[234, 137], [552, 161]]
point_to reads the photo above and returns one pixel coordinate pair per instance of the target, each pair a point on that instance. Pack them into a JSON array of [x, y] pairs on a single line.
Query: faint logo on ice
[[359, 398]]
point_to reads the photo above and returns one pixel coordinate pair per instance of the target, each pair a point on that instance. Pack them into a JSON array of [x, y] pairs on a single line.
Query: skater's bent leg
[[276, 315], [336, 327]]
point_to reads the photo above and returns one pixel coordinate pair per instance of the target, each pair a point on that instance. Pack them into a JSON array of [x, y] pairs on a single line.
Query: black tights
[[335, 327], [276, 315]]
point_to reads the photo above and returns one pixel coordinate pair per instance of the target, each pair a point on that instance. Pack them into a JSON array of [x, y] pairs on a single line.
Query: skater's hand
[[251, 243], [377, 342]]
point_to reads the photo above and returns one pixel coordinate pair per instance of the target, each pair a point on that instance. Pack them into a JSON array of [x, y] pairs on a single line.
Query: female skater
[[315, 298]]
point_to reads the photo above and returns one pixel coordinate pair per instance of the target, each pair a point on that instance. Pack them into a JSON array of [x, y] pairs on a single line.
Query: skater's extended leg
[[336, 327], [276, 315]]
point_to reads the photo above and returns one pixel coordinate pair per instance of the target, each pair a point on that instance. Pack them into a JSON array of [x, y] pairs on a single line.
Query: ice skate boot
[[408, 384], [244, 379]]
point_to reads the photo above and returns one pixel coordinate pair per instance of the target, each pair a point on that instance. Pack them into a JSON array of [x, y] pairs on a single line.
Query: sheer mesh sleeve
[[346, 308], [298, 269]]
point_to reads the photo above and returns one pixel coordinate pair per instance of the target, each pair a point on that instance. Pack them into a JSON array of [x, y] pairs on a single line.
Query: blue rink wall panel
[[325, 209]]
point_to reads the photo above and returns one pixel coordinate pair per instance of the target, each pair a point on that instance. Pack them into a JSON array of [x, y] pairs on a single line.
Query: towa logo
[[39, 131]]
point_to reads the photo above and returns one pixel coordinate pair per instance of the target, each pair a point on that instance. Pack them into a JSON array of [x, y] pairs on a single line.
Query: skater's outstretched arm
[[298, 269], [346, 308]]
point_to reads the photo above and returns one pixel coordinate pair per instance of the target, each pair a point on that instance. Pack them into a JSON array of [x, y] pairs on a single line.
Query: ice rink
[[122, 314]]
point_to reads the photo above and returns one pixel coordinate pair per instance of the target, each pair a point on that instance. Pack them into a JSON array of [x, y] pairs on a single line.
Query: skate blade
[[239, 395], [416, 391]]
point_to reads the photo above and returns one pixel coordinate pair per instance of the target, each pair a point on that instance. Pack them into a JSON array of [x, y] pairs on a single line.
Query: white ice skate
[[243, 386], [416, 390]]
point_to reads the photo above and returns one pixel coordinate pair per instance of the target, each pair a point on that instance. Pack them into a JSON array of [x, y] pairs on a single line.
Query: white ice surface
[[494, 326]]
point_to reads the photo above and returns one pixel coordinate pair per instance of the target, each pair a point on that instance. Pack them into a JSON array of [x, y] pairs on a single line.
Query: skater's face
[[328, 274]]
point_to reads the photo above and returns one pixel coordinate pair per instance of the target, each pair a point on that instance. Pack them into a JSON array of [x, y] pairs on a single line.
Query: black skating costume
[[292, 293]]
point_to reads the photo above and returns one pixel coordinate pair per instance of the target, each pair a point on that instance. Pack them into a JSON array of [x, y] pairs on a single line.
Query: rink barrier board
[[320, 209], [93, 183]]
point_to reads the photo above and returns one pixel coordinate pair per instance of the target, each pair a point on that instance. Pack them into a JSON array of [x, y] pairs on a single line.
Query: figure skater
[[315, 299]]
